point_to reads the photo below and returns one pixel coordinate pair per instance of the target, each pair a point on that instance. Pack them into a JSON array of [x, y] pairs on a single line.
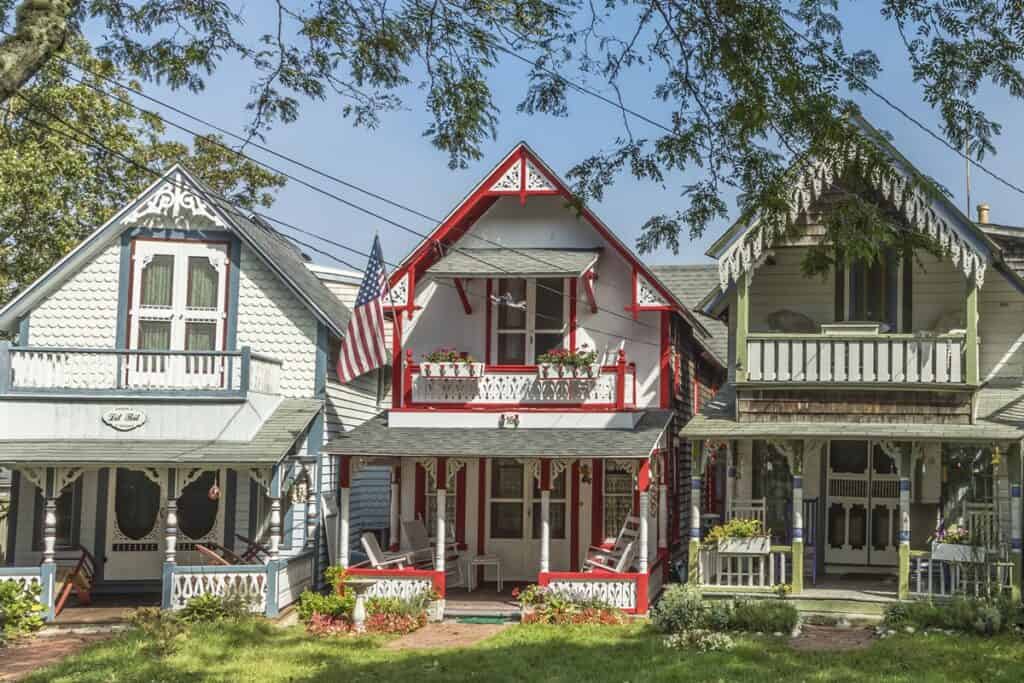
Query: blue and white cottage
[[168, 388]]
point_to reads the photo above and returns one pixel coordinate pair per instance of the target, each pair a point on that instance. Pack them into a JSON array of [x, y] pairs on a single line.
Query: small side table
[[484, 561]]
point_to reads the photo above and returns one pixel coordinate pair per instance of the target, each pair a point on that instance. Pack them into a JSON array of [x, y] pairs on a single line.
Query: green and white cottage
[[866, 409], [168, 388]]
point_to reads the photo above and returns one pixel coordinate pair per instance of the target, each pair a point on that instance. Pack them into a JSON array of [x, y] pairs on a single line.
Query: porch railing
[[856, 359], [930, 578], [43, 575], [47, 370], [614, 387], [631, 592], [746, 571]]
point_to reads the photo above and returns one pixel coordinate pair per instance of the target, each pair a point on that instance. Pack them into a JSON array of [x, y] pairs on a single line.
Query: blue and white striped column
[[1015, 537], [693, 566], [904, 532]]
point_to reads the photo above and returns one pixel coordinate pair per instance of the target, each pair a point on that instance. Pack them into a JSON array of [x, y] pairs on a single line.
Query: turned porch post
[[1013, 464], [545, 516], [170, 539], [663, 506], [442, 508], [275, 513], [693, 565], [905, 464], [643, 483], [312, 498], [394, 523], [344, 497], [49, 518], [797, 470]]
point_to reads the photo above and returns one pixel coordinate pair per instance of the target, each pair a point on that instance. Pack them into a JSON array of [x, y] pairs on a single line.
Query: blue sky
[[397, 161]]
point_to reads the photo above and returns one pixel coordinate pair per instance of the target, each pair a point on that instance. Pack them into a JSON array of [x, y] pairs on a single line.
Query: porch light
[[585, 473]]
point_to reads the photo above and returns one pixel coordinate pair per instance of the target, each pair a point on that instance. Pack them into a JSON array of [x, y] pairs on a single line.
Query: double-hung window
[[531, 319], [879, 291]]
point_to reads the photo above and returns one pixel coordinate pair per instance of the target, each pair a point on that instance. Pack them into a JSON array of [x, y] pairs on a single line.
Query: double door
[[862, 509], [514, 520]]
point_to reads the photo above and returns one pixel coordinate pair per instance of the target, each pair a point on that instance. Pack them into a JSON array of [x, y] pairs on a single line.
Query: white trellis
[[188, 583]]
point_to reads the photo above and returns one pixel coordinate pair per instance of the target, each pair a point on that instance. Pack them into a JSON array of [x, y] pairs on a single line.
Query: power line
[[331, 194], [230, 208]]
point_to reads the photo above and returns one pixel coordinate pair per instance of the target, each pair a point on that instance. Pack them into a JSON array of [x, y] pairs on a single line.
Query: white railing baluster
[[785, 347], [754, 351]]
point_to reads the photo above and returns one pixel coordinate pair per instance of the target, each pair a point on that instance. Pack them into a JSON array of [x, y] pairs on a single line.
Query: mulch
[[832, 639], [22, 658], [444, 635]]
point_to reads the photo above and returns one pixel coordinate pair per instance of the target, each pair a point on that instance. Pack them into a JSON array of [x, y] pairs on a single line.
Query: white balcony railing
[[35, 370], [613, 387], [865, 359]]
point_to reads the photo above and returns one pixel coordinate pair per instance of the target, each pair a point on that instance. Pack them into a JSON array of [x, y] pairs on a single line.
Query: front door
[[863, 505], [135, 526], [514, 520]]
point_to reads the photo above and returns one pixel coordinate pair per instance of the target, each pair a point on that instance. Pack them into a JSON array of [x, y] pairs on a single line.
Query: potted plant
[[740, 537], [447, 363], [953, 544], [565, 364]]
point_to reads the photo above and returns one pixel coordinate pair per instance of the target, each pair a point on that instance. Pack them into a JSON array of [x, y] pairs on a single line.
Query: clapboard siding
[[779, 284]]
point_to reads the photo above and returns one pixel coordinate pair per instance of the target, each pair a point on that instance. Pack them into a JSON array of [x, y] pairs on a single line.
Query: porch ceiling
[[270, 444], [374, 438], [1000, 417], [470, 263]]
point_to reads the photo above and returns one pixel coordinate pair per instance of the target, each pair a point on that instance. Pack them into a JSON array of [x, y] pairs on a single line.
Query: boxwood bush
[[681, 608]]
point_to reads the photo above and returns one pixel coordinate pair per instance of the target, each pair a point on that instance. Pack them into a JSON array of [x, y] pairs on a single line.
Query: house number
[[124, 419]]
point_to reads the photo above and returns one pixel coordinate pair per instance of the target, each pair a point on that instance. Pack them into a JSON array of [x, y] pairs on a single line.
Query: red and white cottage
[[540, 373]]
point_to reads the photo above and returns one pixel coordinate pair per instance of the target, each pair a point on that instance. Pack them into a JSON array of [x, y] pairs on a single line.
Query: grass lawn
[[260, 652]]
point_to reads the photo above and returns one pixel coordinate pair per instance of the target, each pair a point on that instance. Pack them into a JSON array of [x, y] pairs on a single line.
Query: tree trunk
[[40, 28]]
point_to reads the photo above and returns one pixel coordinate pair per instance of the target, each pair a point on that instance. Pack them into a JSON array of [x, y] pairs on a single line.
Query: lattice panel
[[515, 388], [403, 588], [251, 585], [618, 593]]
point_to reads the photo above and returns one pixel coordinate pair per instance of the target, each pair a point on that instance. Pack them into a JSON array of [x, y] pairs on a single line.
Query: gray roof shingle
[[270, 444], [690, 284], [1000, 417], [375, 439], [515, 262]]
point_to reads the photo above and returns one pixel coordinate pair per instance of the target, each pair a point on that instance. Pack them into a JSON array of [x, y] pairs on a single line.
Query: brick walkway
[[832, 639], [23, 658], [445, 634]]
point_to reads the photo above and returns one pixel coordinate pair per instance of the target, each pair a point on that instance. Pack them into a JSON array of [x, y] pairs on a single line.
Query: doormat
[[482, 620]]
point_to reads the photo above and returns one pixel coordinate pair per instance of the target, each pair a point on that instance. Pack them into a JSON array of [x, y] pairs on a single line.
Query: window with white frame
[[508, 493], [618, 498], [531, 321]]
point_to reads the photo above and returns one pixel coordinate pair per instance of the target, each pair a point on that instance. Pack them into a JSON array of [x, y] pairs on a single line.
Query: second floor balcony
[[873, 359], [496, 387], [59, 371]]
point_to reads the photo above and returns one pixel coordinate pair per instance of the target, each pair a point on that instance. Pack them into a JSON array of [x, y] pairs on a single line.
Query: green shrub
[[161, 629], [20, 611], [767, 616], [330, 605], [681, 608], [984, 616], [208, 608], [700, 640]]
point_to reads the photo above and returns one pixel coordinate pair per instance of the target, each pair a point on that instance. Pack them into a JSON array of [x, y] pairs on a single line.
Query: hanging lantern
[[214, 492], [996, 456]]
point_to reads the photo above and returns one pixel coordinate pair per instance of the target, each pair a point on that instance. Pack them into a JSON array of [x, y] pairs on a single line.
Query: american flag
[[364, 348]]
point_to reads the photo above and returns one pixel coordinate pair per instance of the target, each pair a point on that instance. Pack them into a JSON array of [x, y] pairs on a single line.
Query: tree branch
[[40, 29]]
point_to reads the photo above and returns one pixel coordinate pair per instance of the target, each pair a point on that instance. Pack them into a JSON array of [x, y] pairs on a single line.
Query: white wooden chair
[[748, 508], [378, 558], [606, 558], [423, 550], [612, 562]]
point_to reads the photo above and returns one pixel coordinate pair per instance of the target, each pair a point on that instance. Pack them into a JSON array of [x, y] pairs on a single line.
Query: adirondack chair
[[612, 562], [78, 577], [604, 558], [379, 559], [422, 547]]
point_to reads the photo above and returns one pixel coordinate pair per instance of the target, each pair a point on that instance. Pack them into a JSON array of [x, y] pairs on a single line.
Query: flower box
[[958, 552], [559, 371], [451, 370], [755, 545]]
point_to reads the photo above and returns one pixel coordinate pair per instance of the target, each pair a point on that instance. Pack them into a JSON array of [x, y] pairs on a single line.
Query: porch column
[[545, 516], [312, 499], [797, 580], [971, 355], [693, 565], [48, 568], [275, 513], [663, 506], [344, 496], [1013, 466], [643, 483], [904, 535], [442, 497], [394, 523], [170, 539]]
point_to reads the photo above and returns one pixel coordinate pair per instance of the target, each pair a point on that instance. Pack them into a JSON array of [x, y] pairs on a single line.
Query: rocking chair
[[607, 558]]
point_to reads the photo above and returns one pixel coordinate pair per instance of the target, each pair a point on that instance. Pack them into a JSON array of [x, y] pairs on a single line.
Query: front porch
[[459, 523], [867, 508]]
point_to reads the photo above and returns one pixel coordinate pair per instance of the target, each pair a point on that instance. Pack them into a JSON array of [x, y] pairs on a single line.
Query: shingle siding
[[274, 322], [83, 312]]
